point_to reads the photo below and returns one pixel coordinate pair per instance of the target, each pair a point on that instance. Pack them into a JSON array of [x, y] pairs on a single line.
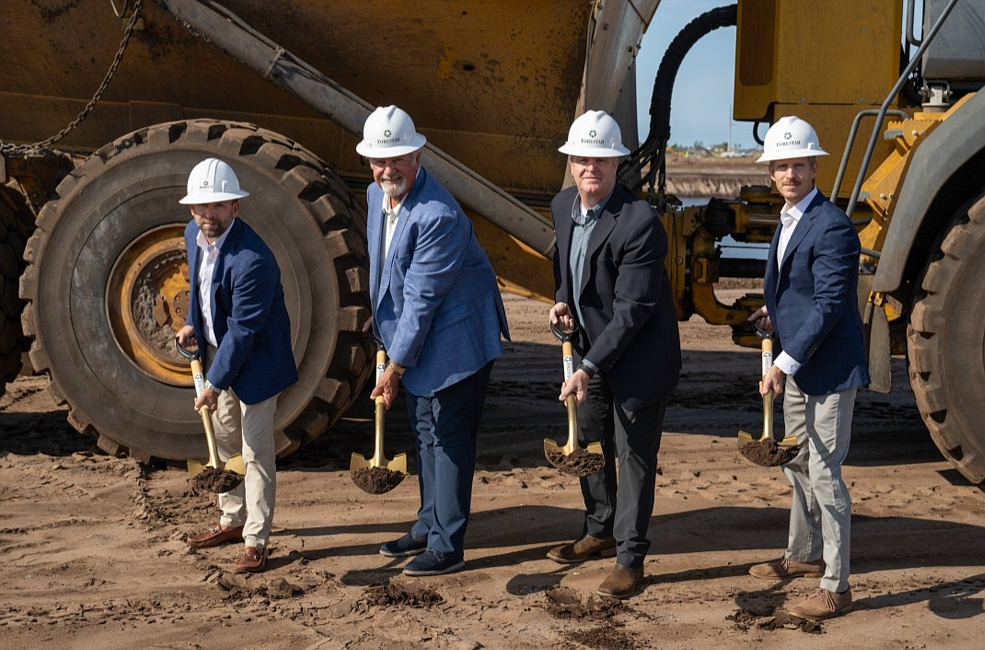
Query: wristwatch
[[395, 368], [585, 369]]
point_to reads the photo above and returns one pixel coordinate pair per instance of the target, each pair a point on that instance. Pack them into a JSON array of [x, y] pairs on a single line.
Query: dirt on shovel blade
[[376, 480], [578, 463], [768, 453], [216, 480]]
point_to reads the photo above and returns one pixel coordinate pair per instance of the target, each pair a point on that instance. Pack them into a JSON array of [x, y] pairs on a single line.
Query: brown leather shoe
[[823, 604], [784, 568], [581, 550], [623, 582], [217, 535], [252, 560]]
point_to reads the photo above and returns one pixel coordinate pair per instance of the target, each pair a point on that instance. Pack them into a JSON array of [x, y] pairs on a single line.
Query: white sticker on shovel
[[569, 367]]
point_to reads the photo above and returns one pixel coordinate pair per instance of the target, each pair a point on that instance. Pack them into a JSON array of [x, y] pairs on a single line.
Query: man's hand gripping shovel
[[571, 458], [377, 475], [766, 451], [215, 476]]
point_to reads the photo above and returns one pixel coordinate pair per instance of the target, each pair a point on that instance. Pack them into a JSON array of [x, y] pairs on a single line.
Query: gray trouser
[[248, 429], [634, 438], [821, 511]]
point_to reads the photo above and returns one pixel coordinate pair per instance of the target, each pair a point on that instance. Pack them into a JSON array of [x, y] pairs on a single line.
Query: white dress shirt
[[209, 255]]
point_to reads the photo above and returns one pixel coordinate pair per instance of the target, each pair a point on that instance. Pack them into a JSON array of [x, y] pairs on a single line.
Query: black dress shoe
[[406, 546]]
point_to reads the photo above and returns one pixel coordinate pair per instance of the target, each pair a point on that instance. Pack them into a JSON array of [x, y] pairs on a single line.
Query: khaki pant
[[821, 510], [248, 429]]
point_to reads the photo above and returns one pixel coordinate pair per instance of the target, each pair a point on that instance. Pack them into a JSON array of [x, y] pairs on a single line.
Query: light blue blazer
[[436, 304], [812, 301]]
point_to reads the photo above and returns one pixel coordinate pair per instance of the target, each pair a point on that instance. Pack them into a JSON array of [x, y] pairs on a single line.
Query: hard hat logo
[[790, 137], [212, 181], [594, 135], [389, 133]]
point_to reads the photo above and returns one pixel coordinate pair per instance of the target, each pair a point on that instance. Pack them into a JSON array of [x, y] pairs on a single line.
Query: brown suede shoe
[[623, 582], [784, 568], [252, 560], [581, 550], [217, 535], [823, 604]]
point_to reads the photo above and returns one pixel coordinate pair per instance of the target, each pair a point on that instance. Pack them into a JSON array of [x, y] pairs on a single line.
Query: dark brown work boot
[[783, 568], [623, 582], [581, 550], [823, 604]]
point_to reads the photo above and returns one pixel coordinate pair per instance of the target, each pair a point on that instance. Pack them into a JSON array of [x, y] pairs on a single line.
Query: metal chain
[[38, 146]]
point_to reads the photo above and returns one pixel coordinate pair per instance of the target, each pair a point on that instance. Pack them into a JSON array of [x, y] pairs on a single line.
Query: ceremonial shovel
[[377, 475], [214, 476], [571, 458], [766, 451]]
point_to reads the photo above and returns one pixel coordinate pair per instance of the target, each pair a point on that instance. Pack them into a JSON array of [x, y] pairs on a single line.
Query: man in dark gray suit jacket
[[610, 281], [810, 291]]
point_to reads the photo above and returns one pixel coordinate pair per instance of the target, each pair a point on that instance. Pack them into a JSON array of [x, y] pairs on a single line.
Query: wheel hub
[[148, 299]]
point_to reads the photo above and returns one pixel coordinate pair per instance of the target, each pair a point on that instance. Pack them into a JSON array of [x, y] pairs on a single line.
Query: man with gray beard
[[438, 311]]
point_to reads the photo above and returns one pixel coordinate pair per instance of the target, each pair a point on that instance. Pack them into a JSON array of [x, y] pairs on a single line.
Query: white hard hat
[[595, 135], [790, 137], [212, 181], [389, 132]]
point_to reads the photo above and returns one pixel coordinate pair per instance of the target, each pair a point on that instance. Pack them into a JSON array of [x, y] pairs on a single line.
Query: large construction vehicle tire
[[15, 228], [107, 285], [946, 344]]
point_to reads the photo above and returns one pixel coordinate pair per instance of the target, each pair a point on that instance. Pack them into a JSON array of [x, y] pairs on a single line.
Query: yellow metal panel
[[810, 52]]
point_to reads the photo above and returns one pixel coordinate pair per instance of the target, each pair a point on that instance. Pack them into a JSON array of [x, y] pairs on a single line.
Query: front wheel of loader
[[946, 345], [107, 285]]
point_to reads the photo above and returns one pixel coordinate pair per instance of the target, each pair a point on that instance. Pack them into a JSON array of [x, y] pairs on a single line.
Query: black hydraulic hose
[[653, 148]]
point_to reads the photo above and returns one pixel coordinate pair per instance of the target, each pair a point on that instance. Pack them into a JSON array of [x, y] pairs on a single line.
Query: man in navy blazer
[[238, 319], [810, 292], [438, 311], [611, 282]]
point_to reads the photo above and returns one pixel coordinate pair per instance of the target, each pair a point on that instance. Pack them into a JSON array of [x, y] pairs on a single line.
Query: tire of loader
[[945, 339], [107, 285], [16, 224]]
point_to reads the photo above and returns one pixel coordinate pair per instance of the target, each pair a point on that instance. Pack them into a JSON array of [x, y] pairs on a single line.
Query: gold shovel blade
[[234, 464]]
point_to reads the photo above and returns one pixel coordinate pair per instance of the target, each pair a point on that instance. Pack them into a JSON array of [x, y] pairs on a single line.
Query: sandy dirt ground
[[92, 550]]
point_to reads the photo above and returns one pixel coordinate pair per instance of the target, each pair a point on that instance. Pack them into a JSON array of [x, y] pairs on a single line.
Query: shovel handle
[[199, 376], [767, 358], [379, 458]]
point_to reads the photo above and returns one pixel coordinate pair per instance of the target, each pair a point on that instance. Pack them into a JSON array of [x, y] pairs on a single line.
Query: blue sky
[[702, 100]]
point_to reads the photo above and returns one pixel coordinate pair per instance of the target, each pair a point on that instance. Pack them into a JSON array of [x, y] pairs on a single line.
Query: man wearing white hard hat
[[610, 282], [810, 291], [437, 309], [239, 322]]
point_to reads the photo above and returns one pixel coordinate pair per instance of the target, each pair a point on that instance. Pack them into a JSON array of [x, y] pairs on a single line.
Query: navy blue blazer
[[630, 329], [812, 301], [250, 319], [436, 303]]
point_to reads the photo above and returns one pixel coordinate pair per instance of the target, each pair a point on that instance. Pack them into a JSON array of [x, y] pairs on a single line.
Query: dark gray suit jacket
[[630, 329]]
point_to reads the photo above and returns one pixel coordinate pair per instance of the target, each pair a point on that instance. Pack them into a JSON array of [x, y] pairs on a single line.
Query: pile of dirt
[[376, 480], [215, 480], [580, 462], [769, 452], [563, 603], [396, 592]]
